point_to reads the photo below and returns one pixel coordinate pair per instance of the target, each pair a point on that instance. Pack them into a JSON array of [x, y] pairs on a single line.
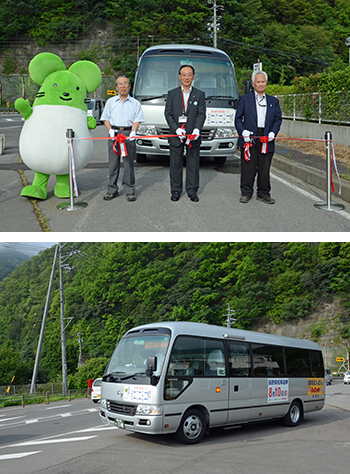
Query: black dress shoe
[[266, 200], [194, 197], [244, 199], [110, 196], [175, 196]]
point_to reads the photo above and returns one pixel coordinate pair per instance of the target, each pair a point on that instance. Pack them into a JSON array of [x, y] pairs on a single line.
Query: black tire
[[294, 415], [219, 160], [192, 427]]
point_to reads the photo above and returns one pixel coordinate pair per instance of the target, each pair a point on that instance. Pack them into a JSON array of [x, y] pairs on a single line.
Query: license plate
[[119, 423]]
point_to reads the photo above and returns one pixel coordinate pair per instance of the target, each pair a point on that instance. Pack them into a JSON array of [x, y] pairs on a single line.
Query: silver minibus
[[158, 72], [185, 378]]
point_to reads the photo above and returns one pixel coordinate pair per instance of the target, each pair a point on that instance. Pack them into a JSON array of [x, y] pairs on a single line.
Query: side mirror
[[151, 368]]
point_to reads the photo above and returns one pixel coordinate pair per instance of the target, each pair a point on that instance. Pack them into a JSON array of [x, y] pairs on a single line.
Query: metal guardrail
[[26, 398], [321, 107]]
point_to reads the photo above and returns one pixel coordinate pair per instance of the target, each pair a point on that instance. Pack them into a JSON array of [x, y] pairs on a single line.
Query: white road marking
[[96, 428], [34, 420], [13, 418], [60, 406], [51, 441], [17, 455], [307, 194]]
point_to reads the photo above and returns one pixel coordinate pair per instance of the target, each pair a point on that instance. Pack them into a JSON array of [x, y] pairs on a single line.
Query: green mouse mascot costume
[[59, 105]]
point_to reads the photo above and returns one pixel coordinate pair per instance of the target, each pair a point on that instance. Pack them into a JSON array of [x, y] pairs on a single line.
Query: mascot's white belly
[[43, 142]]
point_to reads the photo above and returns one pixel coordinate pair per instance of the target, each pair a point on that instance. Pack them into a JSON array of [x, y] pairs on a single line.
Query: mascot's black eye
[[55, 85], [78, 88]]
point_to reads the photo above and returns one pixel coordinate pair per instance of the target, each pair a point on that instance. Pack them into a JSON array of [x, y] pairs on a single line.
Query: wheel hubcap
[[192, 427]]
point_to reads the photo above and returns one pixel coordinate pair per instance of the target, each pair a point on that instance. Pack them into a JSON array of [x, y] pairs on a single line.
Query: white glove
[[132, 135], [271, 136], [246, 135], [195, 132], [180, 132], [111, 132]]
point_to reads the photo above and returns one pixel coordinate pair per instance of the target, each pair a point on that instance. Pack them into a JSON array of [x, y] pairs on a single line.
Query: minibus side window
[[267, 361], [298, 362], [239, 359], [317, 364]]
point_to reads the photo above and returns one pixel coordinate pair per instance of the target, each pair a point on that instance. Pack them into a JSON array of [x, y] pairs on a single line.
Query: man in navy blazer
[[257, 115], [185, 113]]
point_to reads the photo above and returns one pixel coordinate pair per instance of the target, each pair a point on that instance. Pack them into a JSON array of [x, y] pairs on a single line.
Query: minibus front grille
[[205, 134], [121, 408]]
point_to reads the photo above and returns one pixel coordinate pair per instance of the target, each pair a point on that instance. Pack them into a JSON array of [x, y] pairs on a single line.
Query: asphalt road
[[218, 210], [65, 438]]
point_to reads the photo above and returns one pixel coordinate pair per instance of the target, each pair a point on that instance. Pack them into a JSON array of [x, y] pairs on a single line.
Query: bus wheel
[[192, 427], [294, 415]]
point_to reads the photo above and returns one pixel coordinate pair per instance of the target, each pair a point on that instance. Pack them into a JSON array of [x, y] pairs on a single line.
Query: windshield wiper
[[218, 97], [151, 98], [110, 377], [131, 376]]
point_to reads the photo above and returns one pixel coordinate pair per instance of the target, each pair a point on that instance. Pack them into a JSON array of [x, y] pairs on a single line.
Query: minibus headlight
[[147, 130], [103, 403], [148, 410], [225, 133]]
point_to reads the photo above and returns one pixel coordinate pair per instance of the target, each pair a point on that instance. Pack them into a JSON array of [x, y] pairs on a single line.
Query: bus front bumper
[[138, 424], [210, 148]]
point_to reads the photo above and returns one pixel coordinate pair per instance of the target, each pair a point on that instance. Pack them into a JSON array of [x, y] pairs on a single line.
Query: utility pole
[[41, 337], [230, 312], [63, 329], [215, 27], [78, 254], [80, 342]]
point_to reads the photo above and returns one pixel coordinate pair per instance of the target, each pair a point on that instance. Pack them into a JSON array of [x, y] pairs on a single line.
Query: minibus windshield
[[131, 354], [159, 74]]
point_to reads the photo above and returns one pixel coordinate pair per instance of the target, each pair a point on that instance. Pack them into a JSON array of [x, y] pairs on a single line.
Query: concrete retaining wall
[[300, 129]]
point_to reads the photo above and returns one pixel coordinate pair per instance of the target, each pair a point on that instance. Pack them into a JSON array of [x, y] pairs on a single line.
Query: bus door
[[240, 382], [197, 376]]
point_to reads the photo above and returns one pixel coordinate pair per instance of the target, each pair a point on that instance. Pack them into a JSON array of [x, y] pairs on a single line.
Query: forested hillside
[[9, 260], [111, 287], [291, 37]]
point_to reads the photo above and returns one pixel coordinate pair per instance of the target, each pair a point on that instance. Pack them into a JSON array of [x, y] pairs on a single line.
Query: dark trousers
[[176, 169], [259, 164], [114, 167]]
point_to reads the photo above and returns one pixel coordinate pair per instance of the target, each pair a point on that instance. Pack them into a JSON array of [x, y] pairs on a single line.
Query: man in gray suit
[[185, 113]]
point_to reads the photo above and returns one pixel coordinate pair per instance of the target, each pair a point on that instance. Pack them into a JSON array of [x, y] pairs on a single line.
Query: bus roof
[[207, 330], [186, 49]]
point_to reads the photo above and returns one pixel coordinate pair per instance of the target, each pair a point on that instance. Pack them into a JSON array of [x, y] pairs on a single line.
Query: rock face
[[321, 327]]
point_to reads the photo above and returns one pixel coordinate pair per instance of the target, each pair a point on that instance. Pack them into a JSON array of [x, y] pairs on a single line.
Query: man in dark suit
[[185, 113], [257, 115]]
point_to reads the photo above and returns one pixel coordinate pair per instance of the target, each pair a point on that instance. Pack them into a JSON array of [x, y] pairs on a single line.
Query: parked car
[[95, 108], [96, 390], [328, 378], [346, 378]]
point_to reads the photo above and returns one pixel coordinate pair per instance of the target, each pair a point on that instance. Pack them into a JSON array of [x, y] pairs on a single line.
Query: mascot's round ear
[[44, 64], [89, 73]]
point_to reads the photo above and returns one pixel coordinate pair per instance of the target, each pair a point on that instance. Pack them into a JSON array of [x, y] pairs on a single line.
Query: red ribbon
[[264, 141], [189, 138], [247, 146], [120, 139]]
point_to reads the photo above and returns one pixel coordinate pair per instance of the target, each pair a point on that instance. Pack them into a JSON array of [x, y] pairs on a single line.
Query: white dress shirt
[[261, 105]]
